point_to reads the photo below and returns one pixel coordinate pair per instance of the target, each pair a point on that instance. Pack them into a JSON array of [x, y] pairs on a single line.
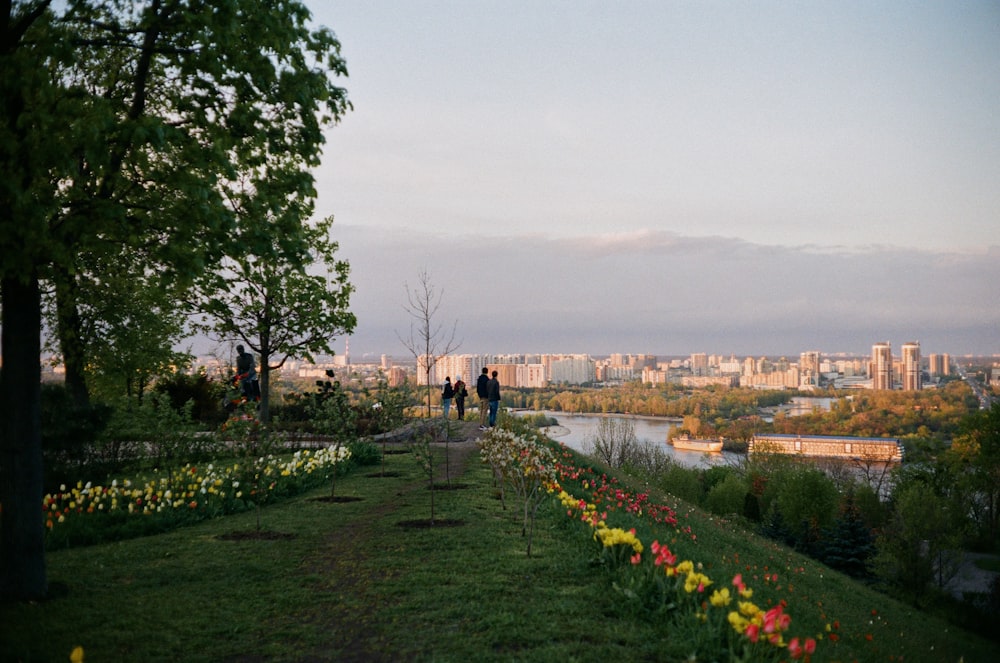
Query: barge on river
[[686, 443]]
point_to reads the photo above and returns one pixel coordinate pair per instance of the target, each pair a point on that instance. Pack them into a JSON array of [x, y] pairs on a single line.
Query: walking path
[[971, 578]]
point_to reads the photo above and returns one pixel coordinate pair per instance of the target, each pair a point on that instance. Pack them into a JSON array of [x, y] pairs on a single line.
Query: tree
[[124, 326], [977, 451], [849, 542], [427, 340], [921, 543], [122, 125], [615, 442], [276, 307]]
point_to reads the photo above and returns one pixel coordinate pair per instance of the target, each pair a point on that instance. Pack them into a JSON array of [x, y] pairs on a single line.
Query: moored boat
[[687, 443]]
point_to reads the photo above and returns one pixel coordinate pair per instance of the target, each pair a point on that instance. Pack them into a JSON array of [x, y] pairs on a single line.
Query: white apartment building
[[531, 376], [573, 369], [511, 370]]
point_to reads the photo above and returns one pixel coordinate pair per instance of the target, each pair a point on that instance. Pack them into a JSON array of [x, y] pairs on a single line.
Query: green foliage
[[715, 475], [152, 432], [727, 497], [807, 501], [69, 433], [502, 605], [540, 420], [138, 129], [920, 546], [364, 453], [332, 414], [848, 543], [269, 297], [422, 451], [253, 442], [776, 528], [204, 394], [386, 407], [683, 482], [116, 325], [975, 456]]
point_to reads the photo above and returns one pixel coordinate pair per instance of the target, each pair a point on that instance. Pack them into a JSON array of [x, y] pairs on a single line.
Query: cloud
[[664, 293]]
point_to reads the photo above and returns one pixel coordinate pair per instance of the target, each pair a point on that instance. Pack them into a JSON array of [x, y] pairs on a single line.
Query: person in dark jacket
[[460, 393], [481, 392], [493, 395], [247, 374], [447, 393]]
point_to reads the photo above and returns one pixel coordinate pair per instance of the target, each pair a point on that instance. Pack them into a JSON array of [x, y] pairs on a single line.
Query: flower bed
[[717, 621], [87, 513]]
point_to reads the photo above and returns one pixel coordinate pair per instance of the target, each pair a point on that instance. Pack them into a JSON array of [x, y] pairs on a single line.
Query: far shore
[[648, 417]]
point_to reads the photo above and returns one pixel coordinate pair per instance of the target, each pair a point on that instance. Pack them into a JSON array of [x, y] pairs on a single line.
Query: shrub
[[684, 483], [203, 393], [804, 500], [365, 453], [727, 497], [69, 432]]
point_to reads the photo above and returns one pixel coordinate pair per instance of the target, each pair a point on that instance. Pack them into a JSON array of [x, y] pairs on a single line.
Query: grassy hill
[[369, 580]]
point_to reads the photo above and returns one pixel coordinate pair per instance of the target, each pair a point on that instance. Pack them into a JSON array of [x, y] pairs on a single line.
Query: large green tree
[[125, 126], [280, 306], [124, 327], [976, 452]]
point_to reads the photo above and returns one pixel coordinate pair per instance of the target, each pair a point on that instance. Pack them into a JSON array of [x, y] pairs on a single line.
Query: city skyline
[[671, 176]]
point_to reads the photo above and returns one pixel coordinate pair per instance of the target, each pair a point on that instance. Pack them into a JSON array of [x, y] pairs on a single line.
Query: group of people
[[487, 390]]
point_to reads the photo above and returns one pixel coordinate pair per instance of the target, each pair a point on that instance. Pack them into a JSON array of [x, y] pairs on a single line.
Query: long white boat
[[686, 443]]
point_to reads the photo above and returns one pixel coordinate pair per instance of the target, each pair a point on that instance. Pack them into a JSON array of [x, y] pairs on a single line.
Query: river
[[577, 431]]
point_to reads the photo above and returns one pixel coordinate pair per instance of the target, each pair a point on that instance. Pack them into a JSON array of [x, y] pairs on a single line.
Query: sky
[[666, 177]]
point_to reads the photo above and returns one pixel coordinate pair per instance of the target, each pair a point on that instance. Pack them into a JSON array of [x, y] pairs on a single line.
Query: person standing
[[493, 394], [481, 392], [460, 393], [447, 393], [246, 373]]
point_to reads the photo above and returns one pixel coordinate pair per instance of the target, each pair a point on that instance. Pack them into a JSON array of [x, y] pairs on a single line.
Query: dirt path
[[341, 561]]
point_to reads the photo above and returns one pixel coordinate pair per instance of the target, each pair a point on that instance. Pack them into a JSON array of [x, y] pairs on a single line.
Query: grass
[[353, 583]]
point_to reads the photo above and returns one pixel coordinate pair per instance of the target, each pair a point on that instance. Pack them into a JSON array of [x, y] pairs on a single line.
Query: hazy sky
[[671, 177]]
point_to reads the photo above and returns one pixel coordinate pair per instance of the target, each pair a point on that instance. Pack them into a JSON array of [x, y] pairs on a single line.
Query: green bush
[[807, 501], [684, 483], [69, 432], [204, 395], [365, 453], [727, 497]]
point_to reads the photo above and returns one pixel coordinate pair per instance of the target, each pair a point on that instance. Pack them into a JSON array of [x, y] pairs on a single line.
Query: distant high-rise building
[[809, 367], [699, 363], [938, 364], [934, 364], [911, 366], [396, 376], [642, 361], [881, 366]]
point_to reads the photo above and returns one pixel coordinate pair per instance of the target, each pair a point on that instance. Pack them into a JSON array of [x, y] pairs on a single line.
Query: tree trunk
[[264, 409], [22, 530], [71, 343]]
